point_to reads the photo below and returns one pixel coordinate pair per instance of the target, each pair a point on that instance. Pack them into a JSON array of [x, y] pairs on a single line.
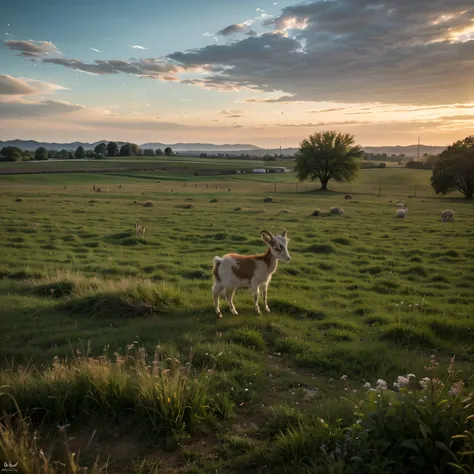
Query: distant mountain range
[[196, 148]]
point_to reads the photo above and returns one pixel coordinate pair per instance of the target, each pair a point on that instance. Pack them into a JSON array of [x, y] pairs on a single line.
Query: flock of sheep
[[446, 216]]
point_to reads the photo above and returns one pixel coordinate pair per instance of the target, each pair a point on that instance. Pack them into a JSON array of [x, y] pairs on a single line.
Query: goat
[[234, 271], [447, 215], [140, 230]]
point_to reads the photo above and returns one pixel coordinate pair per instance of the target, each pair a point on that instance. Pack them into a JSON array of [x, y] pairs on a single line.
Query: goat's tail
[[215, 271]]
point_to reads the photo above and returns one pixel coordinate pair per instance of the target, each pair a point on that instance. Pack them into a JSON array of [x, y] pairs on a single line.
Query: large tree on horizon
[[328, 155], [454, 169], [112, 149]]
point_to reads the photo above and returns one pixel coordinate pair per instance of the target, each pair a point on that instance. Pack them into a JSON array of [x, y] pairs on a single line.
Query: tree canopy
[[168, 151], [80, 153], [41, 153], [101, 149], [112, 149], [126, 150], [159, 152], [328, 155], [454, 169]]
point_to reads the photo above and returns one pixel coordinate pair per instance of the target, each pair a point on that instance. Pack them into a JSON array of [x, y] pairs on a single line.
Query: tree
[[136, 150], [11, 153], [168, 151], [90, 154], [148, 152], [454, 169], [80, 153], [159, 152], [41, 153], [101, 149], [126, 150], [64, 154], [112, 149], [328, 155]]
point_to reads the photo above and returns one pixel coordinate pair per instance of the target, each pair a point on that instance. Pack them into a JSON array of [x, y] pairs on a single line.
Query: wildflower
[[367, 385], [424, 382], [456, 388], [451, 366], [344, 377], [411, 376], [402, 381], [169, 400], [381, 384]]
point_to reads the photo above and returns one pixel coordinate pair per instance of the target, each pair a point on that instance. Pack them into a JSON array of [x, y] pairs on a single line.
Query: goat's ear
[[284, 233], [266, 236]]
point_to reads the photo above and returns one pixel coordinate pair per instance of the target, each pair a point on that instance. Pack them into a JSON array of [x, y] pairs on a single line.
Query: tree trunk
[[324, 185], [469, 193]]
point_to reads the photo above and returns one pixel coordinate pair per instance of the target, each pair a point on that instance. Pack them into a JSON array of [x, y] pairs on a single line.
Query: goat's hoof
[[267, 309], [219, 315], [234, 311]]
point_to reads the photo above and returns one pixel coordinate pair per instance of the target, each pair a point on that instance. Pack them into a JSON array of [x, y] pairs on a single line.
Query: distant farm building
[[259, 170]]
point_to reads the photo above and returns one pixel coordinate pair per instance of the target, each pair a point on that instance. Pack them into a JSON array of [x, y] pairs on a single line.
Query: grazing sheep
[[447, 216], [336, 210], [140, 230], [234, 271], [347, 196], [401, 212]]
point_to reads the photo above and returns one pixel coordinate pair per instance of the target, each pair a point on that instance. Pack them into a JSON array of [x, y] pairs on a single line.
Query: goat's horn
[[267, 233], [283, 234]]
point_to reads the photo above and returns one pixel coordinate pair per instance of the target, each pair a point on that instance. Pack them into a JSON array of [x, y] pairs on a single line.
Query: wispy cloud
[[137, 46], [32, 49], [96, 50]]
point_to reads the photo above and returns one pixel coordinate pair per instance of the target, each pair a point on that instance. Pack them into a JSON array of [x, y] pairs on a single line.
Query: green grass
[[365, 295]]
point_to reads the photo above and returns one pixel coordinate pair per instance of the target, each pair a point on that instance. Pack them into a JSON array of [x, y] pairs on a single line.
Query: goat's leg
[[264, 294], [230, 299], [217, 289], [256, 294]]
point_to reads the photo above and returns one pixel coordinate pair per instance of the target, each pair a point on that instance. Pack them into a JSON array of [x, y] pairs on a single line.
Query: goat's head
[[278, 244]]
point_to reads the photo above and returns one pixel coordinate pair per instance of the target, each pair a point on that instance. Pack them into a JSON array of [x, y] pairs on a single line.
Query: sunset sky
[[249, 71]]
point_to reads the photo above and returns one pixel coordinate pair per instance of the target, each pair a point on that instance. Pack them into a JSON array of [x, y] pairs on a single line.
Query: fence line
[[235, 186]]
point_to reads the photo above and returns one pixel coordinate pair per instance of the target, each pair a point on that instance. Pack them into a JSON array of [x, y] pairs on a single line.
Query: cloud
[[231, 29], [137, 46], [325, 110], [284, 99], [96, 50], [24, 86], [339, 50], [398, 53], [140, 67], [11, 86], [462, 118], [28, 109], [323, 124], [32, 49], [229, 112]]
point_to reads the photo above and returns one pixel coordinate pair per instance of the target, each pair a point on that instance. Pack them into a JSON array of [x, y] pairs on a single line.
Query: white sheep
[[336, 210], [140, 230], [234, 271], [401, 212], [400, 205], [447, 215]]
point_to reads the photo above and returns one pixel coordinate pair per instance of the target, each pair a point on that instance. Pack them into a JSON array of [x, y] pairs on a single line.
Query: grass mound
[[127, 301]]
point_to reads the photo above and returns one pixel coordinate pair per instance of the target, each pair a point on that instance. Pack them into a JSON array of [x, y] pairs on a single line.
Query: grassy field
[[111, 348]]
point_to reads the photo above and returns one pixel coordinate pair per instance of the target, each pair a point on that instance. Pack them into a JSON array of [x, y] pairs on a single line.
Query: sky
[[266, 73]]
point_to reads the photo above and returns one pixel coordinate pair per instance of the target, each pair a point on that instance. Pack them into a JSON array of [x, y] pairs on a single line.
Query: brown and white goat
[[140, 230], [234, 271]]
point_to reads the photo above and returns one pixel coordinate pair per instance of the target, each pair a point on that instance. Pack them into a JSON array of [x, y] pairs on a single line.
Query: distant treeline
[[102, 150]]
